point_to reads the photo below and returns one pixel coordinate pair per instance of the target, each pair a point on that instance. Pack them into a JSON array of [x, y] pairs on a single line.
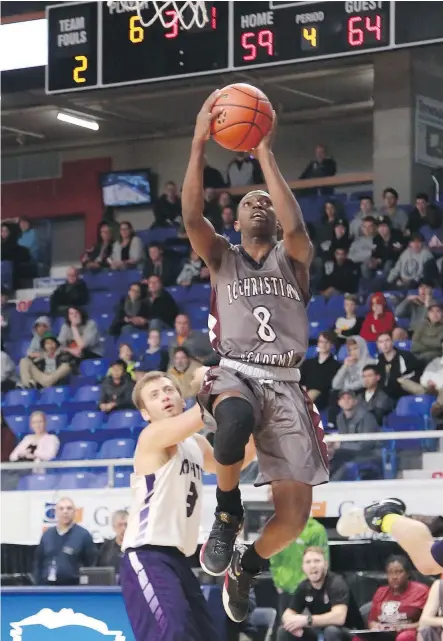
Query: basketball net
[[188, 14]]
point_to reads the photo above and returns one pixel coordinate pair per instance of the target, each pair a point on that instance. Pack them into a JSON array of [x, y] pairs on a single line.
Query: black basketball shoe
[[236, 587], [216, 553], [375, 512]]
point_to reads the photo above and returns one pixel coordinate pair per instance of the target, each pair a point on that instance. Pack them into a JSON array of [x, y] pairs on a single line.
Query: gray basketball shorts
[[288, 432]]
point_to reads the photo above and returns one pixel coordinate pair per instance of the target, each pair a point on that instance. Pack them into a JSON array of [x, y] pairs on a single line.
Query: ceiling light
[[80, 122]]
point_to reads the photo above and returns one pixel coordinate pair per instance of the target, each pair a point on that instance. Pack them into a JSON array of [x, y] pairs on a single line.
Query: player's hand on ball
[[266, 142], [207, 114]]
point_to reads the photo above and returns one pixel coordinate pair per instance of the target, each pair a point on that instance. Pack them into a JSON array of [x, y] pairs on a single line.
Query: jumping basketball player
[[388, 516], [259, 326], [163, 598]]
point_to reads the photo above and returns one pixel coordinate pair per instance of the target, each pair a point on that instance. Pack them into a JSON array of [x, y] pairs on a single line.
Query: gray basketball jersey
[[257, 313]]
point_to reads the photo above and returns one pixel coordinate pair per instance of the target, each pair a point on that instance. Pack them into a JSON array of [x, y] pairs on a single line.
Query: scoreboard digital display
[[93, 45]]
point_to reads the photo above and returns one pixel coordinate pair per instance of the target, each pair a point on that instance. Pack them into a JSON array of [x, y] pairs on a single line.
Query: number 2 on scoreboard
[[79, 69]]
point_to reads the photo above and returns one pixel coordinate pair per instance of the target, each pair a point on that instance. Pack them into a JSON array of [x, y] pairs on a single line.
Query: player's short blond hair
[[316, 549], [141, 384]]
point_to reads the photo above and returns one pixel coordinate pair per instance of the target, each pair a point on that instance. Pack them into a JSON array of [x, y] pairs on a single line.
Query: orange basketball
[[246, 117]]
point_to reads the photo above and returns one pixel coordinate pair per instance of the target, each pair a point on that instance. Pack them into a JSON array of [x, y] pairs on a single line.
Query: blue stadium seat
[[408, 422], [38, 482], [122, 477], [54, 395], [420, 405], [103, 321], [372, 349], [317, 308], [406, 345], [87, 393], [178, 293], [117, 448], [336, 304], [88, 421], [123, 418], [94, 367], [98, 480], [18, 424], [104, 301], [160, 234], [199, 293], [79, 451], [56, 422], [75, 480], [312, 351], [21, 397], [40, 305], [315, 327], [137, 340], [190, 402], [198, 315], [209, 479]]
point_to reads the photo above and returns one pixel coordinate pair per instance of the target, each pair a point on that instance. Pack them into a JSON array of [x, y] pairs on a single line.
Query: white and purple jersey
[[166, 506]]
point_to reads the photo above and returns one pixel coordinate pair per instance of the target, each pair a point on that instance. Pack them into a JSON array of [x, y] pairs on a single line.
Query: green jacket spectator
[[428, 337], [286, 566]]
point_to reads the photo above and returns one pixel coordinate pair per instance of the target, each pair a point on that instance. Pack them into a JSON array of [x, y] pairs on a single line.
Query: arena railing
[[389, 446], [341, 180]]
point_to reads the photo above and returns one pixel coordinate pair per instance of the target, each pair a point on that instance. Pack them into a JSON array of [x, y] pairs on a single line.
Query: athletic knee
[[235, 422]]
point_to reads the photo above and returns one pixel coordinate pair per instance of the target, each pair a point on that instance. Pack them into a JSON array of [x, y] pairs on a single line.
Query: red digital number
[[357, 27], [173, 28], [250, 41]]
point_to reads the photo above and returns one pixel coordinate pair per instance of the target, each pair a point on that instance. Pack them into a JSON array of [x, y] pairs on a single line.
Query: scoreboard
[[93, 45]]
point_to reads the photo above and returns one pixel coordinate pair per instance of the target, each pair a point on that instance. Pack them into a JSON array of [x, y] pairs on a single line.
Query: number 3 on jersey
[[192, 499], [264, 330]]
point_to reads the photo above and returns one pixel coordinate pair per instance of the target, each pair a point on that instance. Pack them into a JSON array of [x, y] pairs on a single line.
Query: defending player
[[163, 598], [259, 326], [388, 516]]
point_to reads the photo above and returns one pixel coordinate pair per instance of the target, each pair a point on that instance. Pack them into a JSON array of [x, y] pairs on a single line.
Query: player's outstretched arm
[[201, 233], [168, 432], [208, 454], [295, 236]]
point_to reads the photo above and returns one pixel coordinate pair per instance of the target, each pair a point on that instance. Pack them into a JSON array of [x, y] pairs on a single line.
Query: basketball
[[246, 117]]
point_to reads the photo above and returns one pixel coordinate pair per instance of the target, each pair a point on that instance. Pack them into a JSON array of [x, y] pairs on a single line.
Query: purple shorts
[[163, 597], [437, 552]]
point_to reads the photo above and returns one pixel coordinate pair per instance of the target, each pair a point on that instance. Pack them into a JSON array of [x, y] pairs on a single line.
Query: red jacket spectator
[[379, 320]]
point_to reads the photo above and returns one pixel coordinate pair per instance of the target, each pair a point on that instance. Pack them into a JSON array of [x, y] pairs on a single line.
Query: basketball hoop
[[188, 13]]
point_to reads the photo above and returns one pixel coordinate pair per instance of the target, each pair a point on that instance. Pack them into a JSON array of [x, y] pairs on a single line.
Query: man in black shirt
[[317, 373], [395, 365], [340, 276], [110, 552], [321, 605], [322, 166]]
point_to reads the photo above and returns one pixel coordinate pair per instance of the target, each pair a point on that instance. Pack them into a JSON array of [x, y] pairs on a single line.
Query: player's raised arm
[[201, 233], [295, 236], [168, 432]]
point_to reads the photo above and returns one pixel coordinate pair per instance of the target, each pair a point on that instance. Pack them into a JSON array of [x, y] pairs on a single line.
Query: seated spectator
[[340, 237], [110, 552], [5, 313], [42, 326], [244, 170], [8, 442], [28, 238], [398, 606], [327, 224], [418, 216], [39, 446], [322, 166], [16, 254], [374, 399], [73, 293], [79, 335], [225, 200], [168, 208], [360, 251], [212, 177], [318, 373], [366, 209], [212, 210], [7, 371], [415, 306], [194, 271], [379, 319], [182, 371], [183, 333], [127, 252], [48, 368], [322, 605], [433, 231], [399, 218], [428, 336], [388, 245], [57, 563], [430, 627], [431, 381], [159, 264], [394, 365], [415, 264], [156, 357], [126, 355], [116, 389], [98, 257], [349, 324], [162, 307], [340, 275], [132, 311], [350, 375], [228, 227], [354, 418]]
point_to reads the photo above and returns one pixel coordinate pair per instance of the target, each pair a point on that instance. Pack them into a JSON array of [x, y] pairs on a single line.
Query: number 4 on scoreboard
[[309, 38]]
